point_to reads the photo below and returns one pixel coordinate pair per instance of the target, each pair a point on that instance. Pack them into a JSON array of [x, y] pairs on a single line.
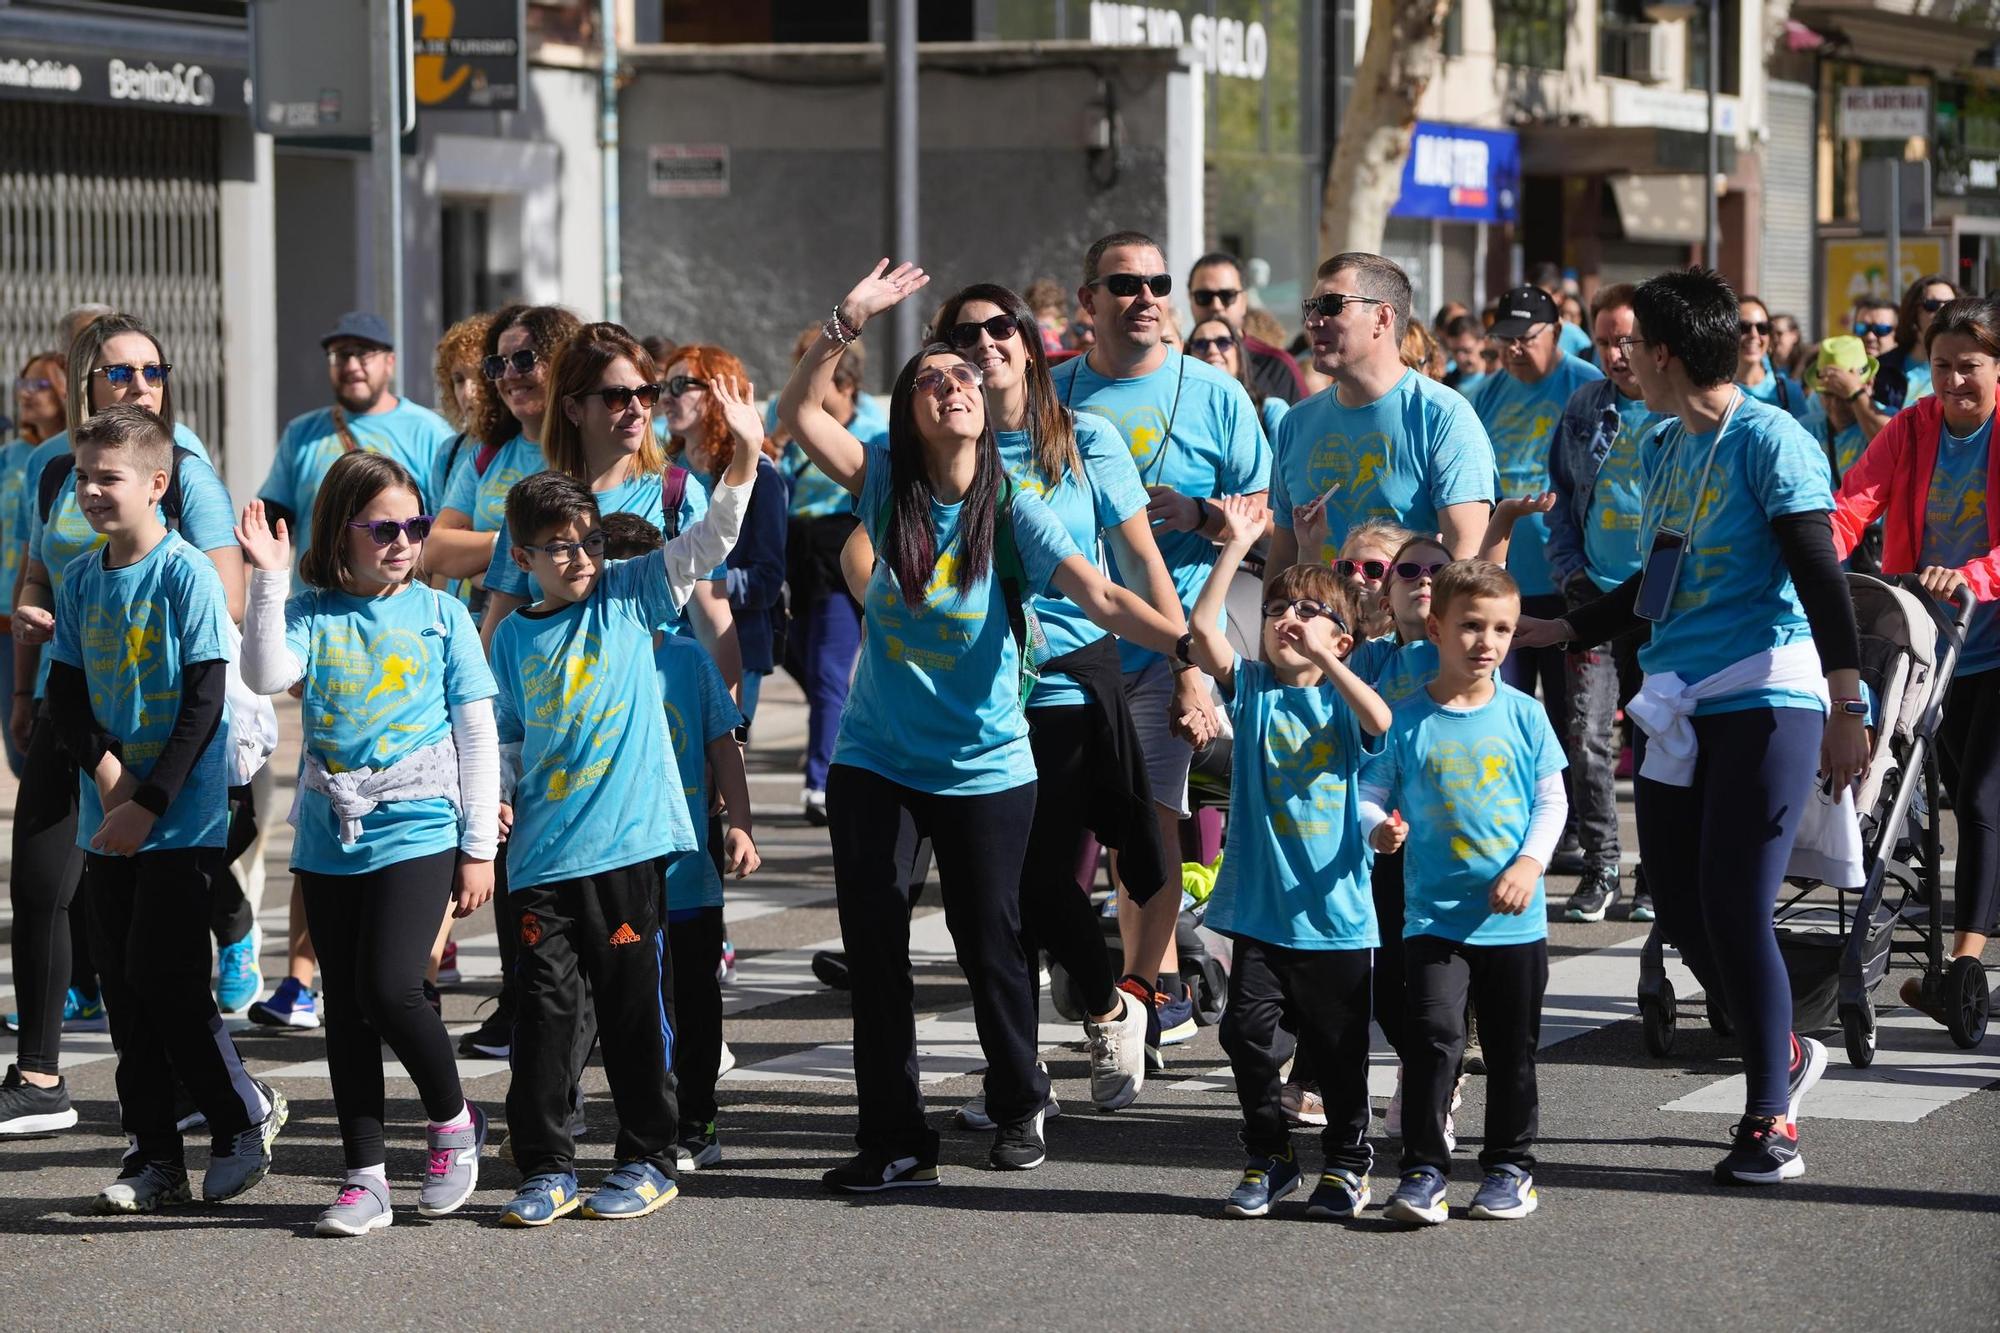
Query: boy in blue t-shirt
[[701, 732], [583, 744], [136, 693], [1293, 893], [1478, 769]]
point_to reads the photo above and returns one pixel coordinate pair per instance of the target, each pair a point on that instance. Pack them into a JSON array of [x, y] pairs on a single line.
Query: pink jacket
[[1892, 478]]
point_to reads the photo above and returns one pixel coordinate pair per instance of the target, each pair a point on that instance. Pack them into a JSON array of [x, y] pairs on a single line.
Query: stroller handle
[[1962, 602]]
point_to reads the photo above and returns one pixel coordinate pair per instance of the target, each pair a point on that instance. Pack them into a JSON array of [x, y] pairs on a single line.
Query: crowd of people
[[1476, 546]]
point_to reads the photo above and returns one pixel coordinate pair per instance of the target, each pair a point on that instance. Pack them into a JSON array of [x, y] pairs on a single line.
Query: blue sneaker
[[1419, 1198], [238, 979], [81, 1013], [291, 1006], [1338, 1194], [633, 1189], [1177, 1017], [1265, 1181], [540, 1201], [1508, 1192]]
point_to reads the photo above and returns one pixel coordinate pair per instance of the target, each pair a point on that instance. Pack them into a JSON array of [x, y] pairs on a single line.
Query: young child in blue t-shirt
[[1475, 766], [1293, 892], [702, 722], [583, 747], [136, 692]]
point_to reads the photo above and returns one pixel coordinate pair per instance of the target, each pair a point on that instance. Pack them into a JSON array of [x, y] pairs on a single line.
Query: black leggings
[[374, 933], [1969, 745], [694, 1004], [979, 842], [1055, 910], [48, 867]]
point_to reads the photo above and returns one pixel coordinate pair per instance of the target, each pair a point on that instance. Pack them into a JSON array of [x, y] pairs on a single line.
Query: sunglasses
[[383, 530], [1879, 330], [1373, 570], [677, 386], [120, 376], [1306, 608], [1329, 304], [522, 362], [617, 397], [936, 379], [36, 385], [1412, 570], [999, 328], [1203, 346], [592, 545], [1933, 304], [1746, 327], [1128, 284], [1215, 295]]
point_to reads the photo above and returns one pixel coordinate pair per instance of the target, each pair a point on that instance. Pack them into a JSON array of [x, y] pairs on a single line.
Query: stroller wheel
[[1719, 1021], [1658, 1019], [1965, 1002], [1857, 1025]]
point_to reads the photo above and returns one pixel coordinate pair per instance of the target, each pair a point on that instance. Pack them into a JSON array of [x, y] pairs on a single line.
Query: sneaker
[[1595, 895], [727, 1061], [493, 1039], [1177, 1018], [453, 1169], [237, 1164], [541, 1200], [813, 804], [725, 971], [1419, 1198], [144, 1187], [1474, 1059], [291, 1006], [1019, 1146], [1117, 1055], [362, 1206], [81, 1013], [448, 973], [27, 1109], [1149, 1004], [973, 1115], [1808, 1063], [698, 1150], [1265, 1181], [1642, 897], [1302, 1106], [870, 1172], [1338, 1194], [633, 1189], [830, 966], [1765, 1153], [1507, 1193], [238, 979]]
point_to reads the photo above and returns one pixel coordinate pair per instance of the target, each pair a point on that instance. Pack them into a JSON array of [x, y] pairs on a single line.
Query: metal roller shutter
[[1786, 283]]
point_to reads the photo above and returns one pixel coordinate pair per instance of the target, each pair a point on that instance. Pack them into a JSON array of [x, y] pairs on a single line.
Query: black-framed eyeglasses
[[564, 552], [1373, 570], [1628, 342], [1328, 305], [340, 356], [1933, 304], [1413, 569], [522, 362], [677, 386], [1127, 285], [1862, 329], [936, 379], [1215, 295], [1306, 607], [119, 376], [618, 397], [999, 328], [38, 384], [1760, 327], [1220, 344], [382, 531]]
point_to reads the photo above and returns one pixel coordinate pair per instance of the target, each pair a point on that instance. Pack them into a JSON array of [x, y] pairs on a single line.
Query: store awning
[[1661, 208], [1616, 150]]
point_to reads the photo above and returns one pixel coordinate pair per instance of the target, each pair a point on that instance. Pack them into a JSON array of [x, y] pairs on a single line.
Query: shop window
[[1531, 32], [1731, 26]]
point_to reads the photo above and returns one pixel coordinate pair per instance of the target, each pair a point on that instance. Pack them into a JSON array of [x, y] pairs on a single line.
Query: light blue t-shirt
[[132, 631], [576, 697], [1611, 535], [408, 433], [1845, 446], [1106, 494], [13, 516], [1521, 419], [1464, 779], [1413, 451], [699, 713], [1735, 596], [1955, 531], [1794, 398], [1574, 340], [483, 499], [1368, 658], [813, 493], [1297, 872], [1188, 426], [936, 699], [1918, 375], [382, 674], [1272, 411], [640, 495], [1407, 671], [1468, 385]]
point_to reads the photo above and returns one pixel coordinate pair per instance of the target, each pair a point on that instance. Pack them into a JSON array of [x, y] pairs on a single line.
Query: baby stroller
[[1837, 952]]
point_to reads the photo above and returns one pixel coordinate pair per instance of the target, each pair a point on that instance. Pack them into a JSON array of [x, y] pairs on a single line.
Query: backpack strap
[[171, 503], [673, 493], [1013, 578], [57, 470]]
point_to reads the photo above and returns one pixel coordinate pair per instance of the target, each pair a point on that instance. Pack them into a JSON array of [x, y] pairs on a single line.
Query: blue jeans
[[832, 632]]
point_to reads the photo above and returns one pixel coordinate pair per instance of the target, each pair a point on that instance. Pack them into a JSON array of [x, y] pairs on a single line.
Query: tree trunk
[[1404, 38]]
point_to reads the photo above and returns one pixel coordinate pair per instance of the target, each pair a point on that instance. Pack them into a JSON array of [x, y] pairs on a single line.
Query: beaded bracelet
[[839, 329]]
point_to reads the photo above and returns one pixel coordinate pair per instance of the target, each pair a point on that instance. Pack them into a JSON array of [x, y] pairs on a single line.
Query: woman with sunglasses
[[1220, 343], [38, 417], [1905, 375], [934, 742], [115, 359], [1754, 370], [1091, 773]]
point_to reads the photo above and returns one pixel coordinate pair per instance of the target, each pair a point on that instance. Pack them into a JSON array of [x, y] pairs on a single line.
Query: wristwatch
[[1184, 649], [1852, 707]]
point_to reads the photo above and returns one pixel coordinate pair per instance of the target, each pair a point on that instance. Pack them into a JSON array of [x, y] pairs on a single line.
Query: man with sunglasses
[[1384, 441], [1194, 434], [1216, 290], [360, 359]]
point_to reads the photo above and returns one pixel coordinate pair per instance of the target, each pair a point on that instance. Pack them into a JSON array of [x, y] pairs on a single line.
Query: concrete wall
[[1007, 190]]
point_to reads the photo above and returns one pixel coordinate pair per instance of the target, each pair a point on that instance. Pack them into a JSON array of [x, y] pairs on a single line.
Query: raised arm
[[802, 405], [269, 664], [1500, 528], [1242, 519]]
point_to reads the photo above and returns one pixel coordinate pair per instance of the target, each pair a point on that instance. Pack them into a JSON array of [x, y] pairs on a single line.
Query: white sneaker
[[973, 1115], [813, 804], [728, 1061], [1117, 1056]]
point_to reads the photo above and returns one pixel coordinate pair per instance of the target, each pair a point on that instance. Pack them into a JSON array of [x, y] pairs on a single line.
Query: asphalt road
[[1895, 1224]]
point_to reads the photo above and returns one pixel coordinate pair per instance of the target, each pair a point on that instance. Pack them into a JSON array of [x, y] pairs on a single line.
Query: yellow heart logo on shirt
[[122, 650], [365, 684]]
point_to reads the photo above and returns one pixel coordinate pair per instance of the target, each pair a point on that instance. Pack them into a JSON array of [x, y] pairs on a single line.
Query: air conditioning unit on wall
[[1647, 53]]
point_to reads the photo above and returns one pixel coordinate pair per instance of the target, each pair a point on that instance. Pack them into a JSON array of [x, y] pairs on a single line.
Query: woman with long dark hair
[[934, 742], [1217, 340], [1905, 375]]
